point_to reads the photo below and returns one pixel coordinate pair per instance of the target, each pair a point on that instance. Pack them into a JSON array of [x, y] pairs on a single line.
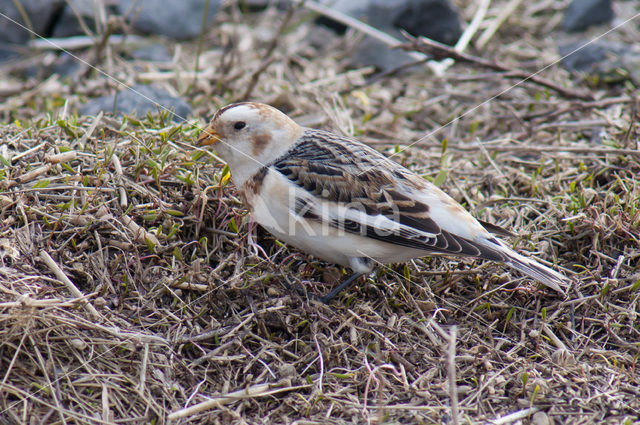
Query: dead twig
[[515, 416], [53, 266], [451, 362], [258, 390], [267, 59], [441, 51]]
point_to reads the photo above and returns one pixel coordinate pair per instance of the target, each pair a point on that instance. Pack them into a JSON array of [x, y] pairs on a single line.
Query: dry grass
[[161, 295]]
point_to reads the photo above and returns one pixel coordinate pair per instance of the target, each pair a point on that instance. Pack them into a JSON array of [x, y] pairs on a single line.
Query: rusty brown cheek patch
[[260, 143]]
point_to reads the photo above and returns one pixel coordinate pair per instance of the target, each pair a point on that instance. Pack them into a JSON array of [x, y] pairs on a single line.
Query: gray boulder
[[581, 14], [178, 19], [67, 25], [575, 57], [436, 19], [139, 100], [372, 52], [41, 15], [152, 52], [611, 62]]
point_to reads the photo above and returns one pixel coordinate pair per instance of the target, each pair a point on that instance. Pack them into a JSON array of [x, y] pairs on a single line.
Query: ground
[[134, 286]]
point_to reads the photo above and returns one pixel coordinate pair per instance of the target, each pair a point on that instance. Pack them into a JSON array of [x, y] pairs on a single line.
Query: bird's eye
[[240, 125]]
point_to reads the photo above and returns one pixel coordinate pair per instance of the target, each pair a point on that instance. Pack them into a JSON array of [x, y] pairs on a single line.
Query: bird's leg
[[344, 285], [293, 286]]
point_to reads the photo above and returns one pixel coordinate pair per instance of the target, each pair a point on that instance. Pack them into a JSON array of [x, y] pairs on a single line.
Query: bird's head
[[249, 136]]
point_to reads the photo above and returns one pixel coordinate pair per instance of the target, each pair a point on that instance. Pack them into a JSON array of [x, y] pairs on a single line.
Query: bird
[[344, 202]]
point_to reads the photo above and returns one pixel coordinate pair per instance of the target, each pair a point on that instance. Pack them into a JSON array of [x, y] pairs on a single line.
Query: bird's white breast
[[273, 207]]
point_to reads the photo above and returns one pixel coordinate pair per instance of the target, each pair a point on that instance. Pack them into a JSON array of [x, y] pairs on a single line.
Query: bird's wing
[[355, 188], [495, 229]]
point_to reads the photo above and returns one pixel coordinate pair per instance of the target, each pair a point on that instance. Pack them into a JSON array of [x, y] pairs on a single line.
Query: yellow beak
[[208, 137]]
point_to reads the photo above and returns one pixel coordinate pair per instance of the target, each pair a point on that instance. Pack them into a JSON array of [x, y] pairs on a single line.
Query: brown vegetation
[[133, 285]]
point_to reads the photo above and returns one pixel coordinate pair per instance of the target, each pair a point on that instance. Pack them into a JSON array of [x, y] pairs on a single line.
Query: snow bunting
[[344, 202]]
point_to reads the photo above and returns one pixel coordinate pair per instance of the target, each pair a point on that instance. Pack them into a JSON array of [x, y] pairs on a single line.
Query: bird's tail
[[537, 271]]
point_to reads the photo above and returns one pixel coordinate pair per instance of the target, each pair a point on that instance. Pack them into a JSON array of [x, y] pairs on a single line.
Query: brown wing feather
[[346, 171]]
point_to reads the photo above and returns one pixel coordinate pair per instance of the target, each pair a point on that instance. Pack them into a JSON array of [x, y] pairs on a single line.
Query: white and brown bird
[[344, 202]]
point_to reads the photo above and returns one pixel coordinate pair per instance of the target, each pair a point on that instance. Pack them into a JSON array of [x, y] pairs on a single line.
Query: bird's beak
[[208, 137]]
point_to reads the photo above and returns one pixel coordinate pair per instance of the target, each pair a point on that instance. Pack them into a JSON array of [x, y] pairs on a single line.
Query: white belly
[[274, 209]]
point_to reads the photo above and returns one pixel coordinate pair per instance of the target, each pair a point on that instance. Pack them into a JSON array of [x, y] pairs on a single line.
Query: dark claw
[[344, 285]]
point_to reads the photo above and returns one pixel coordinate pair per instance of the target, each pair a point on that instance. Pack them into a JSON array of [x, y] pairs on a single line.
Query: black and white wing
[[353, 187]]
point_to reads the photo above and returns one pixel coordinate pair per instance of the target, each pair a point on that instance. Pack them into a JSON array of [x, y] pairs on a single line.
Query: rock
[[356, 9], [7, 51], [435, 19], [139, 100], [260, 5], [320, 36], [541, 418], [66, 65], [178, 19], [42, 14], [610, 62], [67, 25], [586, 58], [619, 68], [581, 14], [153, 53], [631, 63], [78, 344], [287, 371], [62, 64], [372, 52], [382, 14]]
